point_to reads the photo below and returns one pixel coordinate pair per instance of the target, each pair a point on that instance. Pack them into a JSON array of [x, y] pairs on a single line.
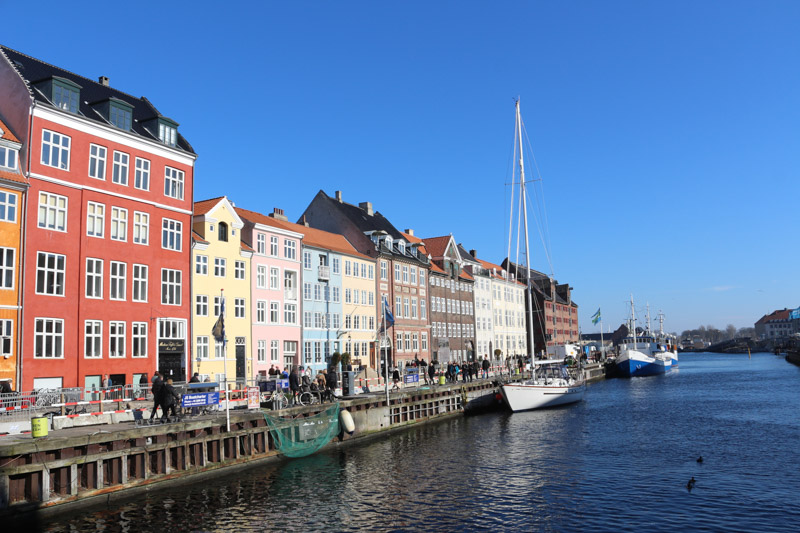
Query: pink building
[[275, 295]]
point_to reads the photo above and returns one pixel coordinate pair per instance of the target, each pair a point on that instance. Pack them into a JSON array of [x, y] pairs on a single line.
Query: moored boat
[[553, 383], [646, 355]]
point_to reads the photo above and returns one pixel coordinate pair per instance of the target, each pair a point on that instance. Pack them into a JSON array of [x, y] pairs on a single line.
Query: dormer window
[[402, 247], [389, 242], [8, 158], [119, 114], [223, 232], [65, 94], [168, 132]]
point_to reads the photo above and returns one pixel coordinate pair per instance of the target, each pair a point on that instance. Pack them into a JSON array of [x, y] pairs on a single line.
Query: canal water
[[619, 461]]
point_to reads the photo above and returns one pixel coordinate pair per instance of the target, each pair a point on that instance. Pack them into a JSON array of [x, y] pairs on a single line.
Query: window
[[384, 266], [141, 227], [222, 232], [116, 289], [261, 311], [273, 350], [93, 339], [94, 278], [307, 260], [348, 298], [261, 277], [421, 277], [202, 347], [170, 286], [8, 207], [398, 306], [95, 219], [139, 283], [261, 351], [289, 313], [306, 291], [306, 352], [218, 307], [65, 96], [238, 270], [116, 339], [413, 308], [364, 270], [405, 274], [273, 246], [7, 268], [261, 244], [49, 338], [8, 158], [97, 162], [173, 183], [347, 265], [120, 116], [120, 170], [371, 271], [289, 249], [413, 277], [274, 277], [52, 211], [201, 305], [219, 267], [399, 342], [50, 270], [171, 234], [167, 134], [336, 265], [6, 337], [337, 294], [317, 292], [424, 340], [406, 312], [141, 178], [201, 264], [274, 313], [238, 307], [423, 312], [119, 224], [397, 272], [55, 150]]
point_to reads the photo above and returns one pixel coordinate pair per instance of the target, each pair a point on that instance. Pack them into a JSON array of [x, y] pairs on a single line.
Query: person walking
[[432, 372], [294, 384], [170, 399], [396, 378], [157, 388], [485, 367]]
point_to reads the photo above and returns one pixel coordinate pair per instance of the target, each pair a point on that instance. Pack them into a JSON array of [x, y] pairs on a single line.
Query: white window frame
[[54, 338], [261, 276], [53, 216], [116, 337], [201, 350], [121, 166], [239, 270], [119, 224], [261, 311], [8, 267], [58, 149], [220, 267], [141, 228], [171, 234], [139, 284], [171, 281], [201, 305], [138, 339], [141, 178], [290, 249], [201, 264], [173, 183], [239, 306], [273, 246], [275, 278], [117, 280], [261, 351], [59, 275], [97, 161], [95, 219], [6, 337], [261, 244], [9, 202], [93, 339], [94, 278]]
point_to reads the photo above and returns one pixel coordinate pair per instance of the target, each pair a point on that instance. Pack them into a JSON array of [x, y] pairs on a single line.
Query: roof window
[[119, 114]]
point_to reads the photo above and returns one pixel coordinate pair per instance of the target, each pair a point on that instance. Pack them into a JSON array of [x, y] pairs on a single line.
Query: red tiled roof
[[7, 133], [491, 268], [196, 236], [204, 206], [437, 246], [435, 268], [246, 247], [465, 275], [311, 236], [782, 314], [10, 175], [415, 240]]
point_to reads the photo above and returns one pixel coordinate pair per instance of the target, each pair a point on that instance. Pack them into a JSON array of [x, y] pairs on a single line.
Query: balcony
[[324, 273], [290, 294]]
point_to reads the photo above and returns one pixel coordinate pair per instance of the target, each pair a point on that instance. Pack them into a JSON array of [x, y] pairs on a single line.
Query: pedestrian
[[432, 371], [195, 378], [5, 386], [485, 367], [294, 384], [106, 381], [423, 368], [170, 400], [396, 379], [158, 386]]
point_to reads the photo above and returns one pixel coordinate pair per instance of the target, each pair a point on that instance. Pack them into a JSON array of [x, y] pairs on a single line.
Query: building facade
[[275, 291], [401, 272], [12, 198], [778, 324], [222, 263], [107, 245]]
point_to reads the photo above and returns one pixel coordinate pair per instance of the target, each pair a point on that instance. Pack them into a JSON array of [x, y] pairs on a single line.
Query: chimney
[[410, 231], [103, 80], [277, 214], [339, 196], [366, 206], [473, 253], [303, 221]]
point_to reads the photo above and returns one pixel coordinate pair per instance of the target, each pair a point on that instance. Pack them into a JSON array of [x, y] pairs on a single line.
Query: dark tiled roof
[[374, 222], [34, 70]]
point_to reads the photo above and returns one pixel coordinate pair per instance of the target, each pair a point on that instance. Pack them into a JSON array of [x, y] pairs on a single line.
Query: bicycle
[[310, 397], [277, 398]]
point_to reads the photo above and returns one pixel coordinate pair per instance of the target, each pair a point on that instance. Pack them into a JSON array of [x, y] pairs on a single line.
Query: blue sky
[[666, 133]]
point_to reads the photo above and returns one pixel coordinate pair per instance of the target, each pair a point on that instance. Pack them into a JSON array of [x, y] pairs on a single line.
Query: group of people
[[300, 381], [164, 396]]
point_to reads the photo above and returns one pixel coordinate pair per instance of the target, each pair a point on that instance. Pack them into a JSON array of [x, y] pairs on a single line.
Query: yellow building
[[221, 272], [12, 190], [360, 309]]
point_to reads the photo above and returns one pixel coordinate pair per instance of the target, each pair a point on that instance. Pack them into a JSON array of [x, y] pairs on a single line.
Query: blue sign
[[412, 378], [200, 399]]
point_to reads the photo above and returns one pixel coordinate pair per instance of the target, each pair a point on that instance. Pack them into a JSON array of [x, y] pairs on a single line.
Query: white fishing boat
[[646, 355], [552, 381]]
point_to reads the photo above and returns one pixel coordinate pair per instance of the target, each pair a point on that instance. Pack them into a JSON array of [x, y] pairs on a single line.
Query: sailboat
[[647, 355], [552, 381]]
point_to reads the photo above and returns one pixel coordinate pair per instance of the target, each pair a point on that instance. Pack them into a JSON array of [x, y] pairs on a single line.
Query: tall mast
[[633, 322], [523, 197]]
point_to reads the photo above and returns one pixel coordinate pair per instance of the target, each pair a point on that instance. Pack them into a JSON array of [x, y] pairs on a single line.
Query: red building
[[106, 283]]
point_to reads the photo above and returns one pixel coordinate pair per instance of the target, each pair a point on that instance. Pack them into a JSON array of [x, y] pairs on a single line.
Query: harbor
[[598, 465]]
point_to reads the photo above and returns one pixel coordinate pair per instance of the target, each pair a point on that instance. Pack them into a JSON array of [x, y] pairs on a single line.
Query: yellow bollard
[[39, 426]]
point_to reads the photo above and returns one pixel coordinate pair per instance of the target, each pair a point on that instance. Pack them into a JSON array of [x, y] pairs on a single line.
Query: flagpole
[[385, 353], [225, 362]]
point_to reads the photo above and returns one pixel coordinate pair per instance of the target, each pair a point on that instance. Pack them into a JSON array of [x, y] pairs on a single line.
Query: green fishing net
[[298, 437]]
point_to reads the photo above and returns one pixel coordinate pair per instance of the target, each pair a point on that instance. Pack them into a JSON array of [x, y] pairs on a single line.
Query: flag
[[388, 317], [218, 331], [596, 317]]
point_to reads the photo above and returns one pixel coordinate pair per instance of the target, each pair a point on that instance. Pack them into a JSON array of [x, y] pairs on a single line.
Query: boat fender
[[347, 421]]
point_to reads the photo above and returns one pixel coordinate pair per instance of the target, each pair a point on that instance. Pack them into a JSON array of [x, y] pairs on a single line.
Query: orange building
[[12, 193]]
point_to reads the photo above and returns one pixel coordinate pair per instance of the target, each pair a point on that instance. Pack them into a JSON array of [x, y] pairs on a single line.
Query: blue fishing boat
[[646, 355]]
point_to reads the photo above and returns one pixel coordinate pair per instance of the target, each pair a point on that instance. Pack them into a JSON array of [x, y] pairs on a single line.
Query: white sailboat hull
[[537, 395]]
